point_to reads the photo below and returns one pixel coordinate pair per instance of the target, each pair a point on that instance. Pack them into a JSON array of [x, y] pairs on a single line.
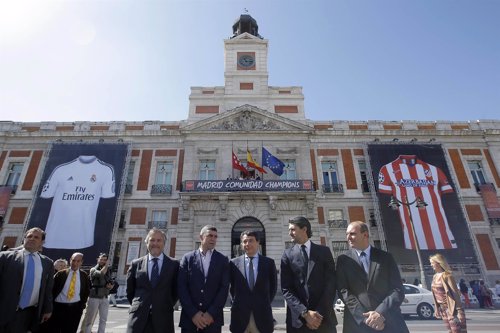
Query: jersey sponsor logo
[[415, 182], [79, 195]]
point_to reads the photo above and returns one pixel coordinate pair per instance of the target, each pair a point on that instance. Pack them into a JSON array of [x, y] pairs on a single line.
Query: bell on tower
[[246, 23]]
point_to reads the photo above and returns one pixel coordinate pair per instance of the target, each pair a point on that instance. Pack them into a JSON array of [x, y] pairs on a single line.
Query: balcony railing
[[161, 189], [494, 221], [128, 188], [158, 224], [333, 188], [342, 224]]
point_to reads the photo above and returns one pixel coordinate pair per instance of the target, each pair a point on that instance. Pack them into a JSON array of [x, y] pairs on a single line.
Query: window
[[13, 175], [336, 218], [130, 177], [339, 247], [362, 174], [158, 219], [477, 172], [330, 177], [289, 170], [121, 223], [163, 178], [207, 170]]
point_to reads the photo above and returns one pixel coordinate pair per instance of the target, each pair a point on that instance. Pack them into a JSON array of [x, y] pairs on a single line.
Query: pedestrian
[[152, 288], [203, 285], [26, 280], [60, 264], [112, 292], [465, 292], [308, 282], [253, 287], [446, 295], [71, 291], [370, 286], [98, 303], [486, 294]]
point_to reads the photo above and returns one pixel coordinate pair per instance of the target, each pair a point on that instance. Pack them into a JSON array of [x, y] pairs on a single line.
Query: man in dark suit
[[152, 288], [71, 291], [203, 286], [370, 285], [308, 282], [253, 287], [26, 279]]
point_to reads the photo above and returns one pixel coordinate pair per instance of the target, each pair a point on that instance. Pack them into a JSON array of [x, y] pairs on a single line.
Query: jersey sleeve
[[384, 182], [444, 185], [108, 186], [50, 186]]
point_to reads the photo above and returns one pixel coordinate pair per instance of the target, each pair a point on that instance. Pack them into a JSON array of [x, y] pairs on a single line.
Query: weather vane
[[245, 10]]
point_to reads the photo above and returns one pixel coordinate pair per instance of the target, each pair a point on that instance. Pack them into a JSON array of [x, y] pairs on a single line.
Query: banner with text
[[76, 204], [407, 174], [247, 185]]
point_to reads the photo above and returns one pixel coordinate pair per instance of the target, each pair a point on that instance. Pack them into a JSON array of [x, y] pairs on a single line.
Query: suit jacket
[[381, 290], [60, 279], [199, 294], [257, 301], [143, 296], [316, 291], [11, 282]]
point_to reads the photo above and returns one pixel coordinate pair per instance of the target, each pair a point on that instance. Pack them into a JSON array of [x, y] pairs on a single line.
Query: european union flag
[[272, 162]]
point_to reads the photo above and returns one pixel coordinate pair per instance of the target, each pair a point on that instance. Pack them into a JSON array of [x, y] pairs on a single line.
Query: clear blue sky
[[356, 60]]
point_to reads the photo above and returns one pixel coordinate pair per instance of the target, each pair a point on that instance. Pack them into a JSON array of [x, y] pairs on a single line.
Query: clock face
[[246, 60]]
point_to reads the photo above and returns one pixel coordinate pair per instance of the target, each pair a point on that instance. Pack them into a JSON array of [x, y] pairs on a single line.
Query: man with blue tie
[[203, 285], [308, 282], [152, 288], [26, 280], [253, 287], [370, 285]]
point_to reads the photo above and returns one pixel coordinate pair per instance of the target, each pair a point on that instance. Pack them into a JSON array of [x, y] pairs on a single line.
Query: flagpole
[[261, 163], [232, 169]]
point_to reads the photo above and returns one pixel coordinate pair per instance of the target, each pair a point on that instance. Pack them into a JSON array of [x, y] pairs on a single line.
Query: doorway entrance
[[247, 223]]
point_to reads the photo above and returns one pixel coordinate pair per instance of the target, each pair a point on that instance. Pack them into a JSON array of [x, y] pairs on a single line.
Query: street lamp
[[420, 204]]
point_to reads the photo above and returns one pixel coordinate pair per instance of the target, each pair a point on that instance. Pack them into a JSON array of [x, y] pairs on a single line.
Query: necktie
[[72, 283], [306, 260], [155, 273], [251, 275], [364, 261], [29, 282]]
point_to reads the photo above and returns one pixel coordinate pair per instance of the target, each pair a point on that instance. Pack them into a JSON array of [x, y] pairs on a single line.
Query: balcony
[[128, 188], [341, 224], [158, 224], [248, 185], [161, 189], [333, 188], [494, 221], [13, 188]]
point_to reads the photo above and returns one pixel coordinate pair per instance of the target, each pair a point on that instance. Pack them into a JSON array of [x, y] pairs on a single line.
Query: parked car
[[418, 301]]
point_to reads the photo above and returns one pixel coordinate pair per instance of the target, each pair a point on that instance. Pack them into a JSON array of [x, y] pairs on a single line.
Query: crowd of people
[[38, 295]]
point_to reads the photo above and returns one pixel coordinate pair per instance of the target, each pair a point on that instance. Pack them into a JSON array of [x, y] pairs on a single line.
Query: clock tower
[[245, 60], [246, 79]]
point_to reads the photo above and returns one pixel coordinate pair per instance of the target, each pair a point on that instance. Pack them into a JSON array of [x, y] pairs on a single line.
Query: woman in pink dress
[[447, 302]]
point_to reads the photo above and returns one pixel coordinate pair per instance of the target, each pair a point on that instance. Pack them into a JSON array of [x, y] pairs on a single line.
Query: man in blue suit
[[203, 284], [308, 282], [253, 287]]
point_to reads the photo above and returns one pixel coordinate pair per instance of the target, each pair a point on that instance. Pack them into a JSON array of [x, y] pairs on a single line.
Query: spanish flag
[[252, 164]]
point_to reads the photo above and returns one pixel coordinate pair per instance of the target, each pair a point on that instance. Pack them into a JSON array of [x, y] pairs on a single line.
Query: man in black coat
[[22, 310], [253, 287], [152, 288], [308, 282], [71, 291], [370, 285]]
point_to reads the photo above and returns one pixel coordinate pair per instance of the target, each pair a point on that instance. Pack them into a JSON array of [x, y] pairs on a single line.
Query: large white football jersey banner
[[407, 178], [76, 187]]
